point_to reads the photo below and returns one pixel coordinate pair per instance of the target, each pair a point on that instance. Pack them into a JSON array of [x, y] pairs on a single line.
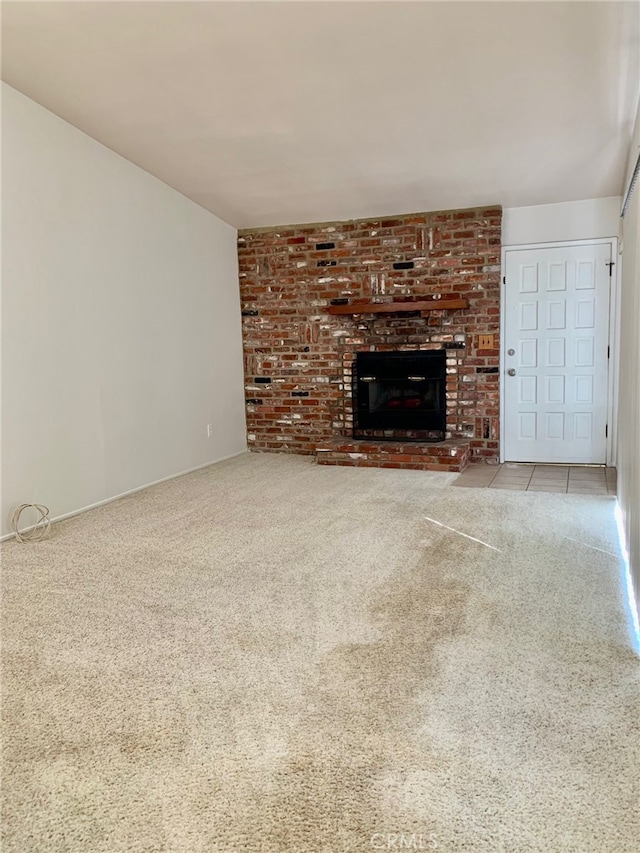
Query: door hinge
[[504, 279], [606, 431], [608, 352], [611, 265]]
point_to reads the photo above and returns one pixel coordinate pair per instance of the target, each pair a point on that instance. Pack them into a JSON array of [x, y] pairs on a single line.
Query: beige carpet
[[276, 657]]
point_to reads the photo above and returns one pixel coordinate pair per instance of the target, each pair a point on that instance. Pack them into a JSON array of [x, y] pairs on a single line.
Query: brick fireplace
[[314, 296]]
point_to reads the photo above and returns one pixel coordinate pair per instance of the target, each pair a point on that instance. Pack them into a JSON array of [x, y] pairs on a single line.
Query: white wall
[[121, 328], [629, 397], [591, 218], [629, 386]]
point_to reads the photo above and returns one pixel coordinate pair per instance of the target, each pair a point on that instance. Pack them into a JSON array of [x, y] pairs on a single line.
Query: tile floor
[[520, 477]]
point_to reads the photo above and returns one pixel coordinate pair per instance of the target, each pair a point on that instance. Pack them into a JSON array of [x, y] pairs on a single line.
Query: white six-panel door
[[556, 353]]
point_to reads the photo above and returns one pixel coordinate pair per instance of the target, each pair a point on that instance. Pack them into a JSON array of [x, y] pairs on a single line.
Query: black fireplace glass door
[[400, 391]]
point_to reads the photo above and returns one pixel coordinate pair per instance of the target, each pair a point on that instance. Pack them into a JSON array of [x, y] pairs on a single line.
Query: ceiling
[[269, 113]]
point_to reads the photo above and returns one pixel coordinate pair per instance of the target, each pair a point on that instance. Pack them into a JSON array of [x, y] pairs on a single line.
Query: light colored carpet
[[274, 656]]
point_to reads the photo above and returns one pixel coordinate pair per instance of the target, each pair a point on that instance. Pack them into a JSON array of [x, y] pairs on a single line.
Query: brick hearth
[[299, 355], [450, 455]]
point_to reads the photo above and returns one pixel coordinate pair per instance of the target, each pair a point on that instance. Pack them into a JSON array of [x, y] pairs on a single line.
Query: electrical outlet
[[485, 341], [209, 430]]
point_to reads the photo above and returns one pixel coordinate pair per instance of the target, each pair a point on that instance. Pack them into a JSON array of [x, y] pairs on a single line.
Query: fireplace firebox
[[400, 395]]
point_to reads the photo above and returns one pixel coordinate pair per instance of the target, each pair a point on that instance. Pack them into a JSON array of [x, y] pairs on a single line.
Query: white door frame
[[614, 334]]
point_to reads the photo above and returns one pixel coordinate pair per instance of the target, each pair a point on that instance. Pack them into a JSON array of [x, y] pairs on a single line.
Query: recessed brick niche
[[299, 356]]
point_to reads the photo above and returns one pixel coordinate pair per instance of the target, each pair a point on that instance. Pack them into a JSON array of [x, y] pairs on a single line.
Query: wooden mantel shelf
[[398, 307]]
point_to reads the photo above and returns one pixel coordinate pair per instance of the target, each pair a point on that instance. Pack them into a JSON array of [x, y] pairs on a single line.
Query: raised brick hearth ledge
[[451, 455]]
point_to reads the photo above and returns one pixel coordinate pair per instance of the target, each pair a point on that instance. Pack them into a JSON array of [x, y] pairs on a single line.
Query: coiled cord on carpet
[[33, 532]]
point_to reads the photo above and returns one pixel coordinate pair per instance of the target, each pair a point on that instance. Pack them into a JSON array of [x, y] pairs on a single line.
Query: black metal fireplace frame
[[422, 370]]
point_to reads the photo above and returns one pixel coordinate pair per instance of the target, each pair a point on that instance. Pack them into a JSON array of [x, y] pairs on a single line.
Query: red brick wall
[[298, 356]]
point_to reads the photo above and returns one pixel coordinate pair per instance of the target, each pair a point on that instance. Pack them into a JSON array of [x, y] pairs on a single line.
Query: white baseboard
[[132, 491]]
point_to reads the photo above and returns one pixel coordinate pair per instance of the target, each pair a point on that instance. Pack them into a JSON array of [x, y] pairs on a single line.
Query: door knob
[[511, 371]]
